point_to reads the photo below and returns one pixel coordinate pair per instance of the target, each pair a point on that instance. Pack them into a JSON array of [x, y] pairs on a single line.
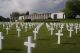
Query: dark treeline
[[3, 19], [72, 9], [15, 15]]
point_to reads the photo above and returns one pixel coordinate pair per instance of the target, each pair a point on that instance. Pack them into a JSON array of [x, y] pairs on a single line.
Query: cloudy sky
[[8, 6]]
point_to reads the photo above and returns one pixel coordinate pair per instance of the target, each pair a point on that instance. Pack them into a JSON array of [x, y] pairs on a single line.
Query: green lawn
[[45, 43]]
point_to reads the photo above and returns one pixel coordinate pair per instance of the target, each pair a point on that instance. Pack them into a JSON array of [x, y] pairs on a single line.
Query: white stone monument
[[3, 26], [76, 27], [29, 44], [59, 34], [22, 25], [30, 26], [17, 26], [48, 26], [70, 34], [7, 29], [1, 37], [26, 28], [67, 26], [51, 30], [18, 30], [61, 27], [35, 34]]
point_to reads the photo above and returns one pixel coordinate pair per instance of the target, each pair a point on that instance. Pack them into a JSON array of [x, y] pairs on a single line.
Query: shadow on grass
[[69, 43], [13, 49], [44, 39], [12, 34]]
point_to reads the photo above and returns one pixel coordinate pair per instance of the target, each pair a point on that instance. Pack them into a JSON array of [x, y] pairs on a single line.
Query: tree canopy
[[72, 8], [14, 15], [27, 13], [3, 19]]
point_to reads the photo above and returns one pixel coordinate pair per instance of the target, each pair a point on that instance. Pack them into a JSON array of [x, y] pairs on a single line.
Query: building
[[21, 17], [77, 16], [38, 16], [59, 15], [34, 16]]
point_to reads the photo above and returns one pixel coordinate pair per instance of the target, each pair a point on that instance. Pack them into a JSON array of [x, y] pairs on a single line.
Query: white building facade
[[21, 17], [38, 16], [59, 15]]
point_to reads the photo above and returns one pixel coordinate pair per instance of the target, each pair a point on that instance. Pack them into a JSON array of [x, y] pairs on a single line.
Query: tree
[[3, 19], [72, 8], [14, 15], [27, 13]]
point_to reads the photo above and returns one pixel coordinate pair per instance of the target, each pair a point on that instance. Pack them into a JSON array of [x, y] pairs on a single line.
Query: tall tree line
[[72, 8], [3, 19], [15, 15]]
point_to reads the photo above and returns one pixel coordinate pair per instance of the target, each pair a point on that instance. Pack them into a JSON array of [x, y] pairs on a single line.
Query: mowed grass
[[45, 43]]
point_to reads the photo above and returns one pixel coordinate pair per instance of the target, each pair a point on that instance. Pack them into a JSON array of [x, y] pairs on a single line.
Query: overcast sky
[[8, 6]]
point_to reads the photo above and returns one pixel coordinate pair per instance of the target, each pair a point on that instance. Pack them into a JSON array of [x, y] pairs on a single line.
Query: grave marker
[[61, 27], [70, 34], [29, 44], [35, 34], [7, 29], [26, 28], [18, 30], [51, 30], [59, 34], [1, 37], [76, 27]]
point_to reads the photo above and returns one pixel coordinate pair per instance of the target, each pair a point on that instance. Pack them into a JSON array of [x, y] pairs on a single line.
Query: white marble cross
[[29, 44], [51, 30], [22, 25], [16, 25], [70, 34], [9, 25], [54, 24], [26, 28], [61, 27], [18, 30], [30, 26], [76, 27], [48, 26], [59, 34], [67, 26], [7, 29], [1, 37], [35, 34], [3, 26]]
